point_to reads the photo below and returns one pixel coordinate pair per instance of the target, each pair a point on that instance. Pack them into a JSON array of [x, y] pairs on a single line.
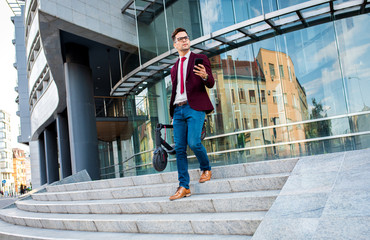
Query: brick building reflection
[[255, 94]]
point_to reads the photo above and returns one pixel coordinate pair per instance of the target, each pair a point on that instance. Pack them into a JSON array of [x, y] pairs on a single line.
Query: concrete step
[[231, 223], [231, 206], [222, 185], [16, 232], [204, 203], [229, 171]]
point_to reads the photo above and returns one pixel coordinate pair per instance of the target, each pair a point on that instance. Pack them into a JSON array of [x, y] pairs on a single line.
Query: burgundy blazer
[[198, 98]]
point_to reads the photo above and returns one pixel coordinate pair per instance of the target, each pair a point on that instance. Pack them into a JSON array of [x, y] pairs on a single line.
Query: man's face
[[182, 42]]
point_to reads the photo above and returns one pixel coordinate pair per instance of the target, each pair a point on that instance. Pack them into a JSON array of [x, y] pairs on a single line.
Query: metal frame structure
[[15, 6], [266, 26], [146, 13]]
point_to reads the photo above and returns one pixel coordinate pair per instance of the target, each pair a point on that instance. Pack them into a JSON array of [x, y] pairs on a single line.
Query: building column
[[81, 111], [51, 155], [63, 146], [42, 160]]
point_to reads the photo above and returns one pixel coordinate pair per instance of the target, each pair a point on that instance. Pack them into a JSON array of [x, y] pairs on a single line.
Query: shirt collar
[[186, 55]]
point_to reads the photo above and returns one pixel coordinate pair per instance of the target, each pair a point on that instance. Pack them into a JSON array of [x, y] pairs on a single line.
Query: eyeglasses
[[182, 38]]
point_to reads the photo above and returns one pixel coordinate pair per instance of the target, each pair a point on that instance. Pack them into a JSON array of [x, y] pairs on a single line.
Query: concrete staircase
[[231, 206]]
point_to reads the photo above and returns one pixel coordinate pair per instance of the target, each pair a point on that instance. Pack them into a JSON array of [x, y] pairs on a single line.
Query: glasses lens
[[182, 38]]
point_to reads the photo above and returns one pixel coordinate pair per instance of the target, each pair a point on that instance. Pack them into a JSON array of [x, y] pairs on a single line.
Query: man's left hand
[[200, 70]]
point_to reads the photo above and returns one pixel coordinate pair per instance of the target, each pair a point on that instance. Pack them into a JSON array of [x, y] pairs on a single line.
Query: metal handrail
[[260, 146]]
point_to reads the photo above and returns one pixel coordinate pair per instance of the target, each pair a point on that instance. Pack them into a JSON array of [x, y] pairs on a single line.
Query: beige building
[[21, 169]]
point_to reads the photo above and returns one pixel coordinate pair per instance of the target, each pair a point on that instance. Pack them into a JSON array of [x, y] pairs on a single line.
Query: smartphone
[[198, 61]]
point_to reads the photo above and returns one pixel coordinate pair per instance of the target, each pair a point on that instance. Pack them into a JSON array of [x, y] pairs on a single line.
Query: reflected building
[[95, 81], [257, 94], [286, 98]]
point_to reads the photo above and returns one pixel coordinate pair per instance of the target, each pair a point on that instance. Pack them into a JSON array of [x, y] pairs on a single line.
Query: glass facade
[[296, 94]]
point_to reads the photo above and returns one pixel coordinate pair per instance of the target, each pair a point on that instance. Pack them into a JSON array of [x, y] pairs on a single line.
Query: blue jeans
[[187, 129]]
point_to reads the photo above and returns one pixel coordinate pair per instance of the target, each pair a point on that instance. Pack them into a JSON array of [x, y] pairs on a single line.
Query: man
[[188, 107]]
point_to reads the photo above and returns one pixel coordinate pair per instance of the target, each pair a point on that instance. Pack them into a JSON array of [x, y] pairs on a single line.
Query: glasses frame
[[182, 38]]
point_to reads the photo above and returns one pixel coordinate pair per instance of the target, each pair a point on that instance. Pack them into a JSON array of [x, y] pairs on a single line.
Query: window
[[290, 74], [285, 98], [275, 120], [255, 123], [252, 96], [245, 123], [263, 96], [2, 115], [242, 95], [2, 144], [265, 122], [2, 125], [236, 124], [232, 95], [281, 70], [294, 100], [2, 135], [274, 96], [272, 69], [3, 155]]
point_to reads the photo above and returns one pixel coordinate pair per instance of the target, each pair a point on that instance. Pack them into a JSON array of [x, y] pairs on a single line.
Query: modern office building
[[291, 80]]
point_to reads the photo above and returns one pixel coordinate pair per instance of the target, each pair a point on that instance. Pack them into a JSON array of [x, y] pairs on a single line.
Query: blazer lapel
[[190, 65], [175, 68]]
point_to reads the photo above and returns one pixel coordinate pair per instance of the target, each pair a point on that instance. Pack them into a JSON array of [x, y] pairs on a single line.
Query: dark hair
[[177, 30]]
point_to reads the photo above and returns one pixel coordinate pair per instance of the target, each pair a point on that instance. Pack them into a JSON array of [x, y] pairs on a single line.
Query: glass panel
[[216, 15], [312, 57], [247, 9], [361, 142], [269, 6], [328, 146], [273, 5], [152, 33], [184, 14], [354, 48], [319, 129], [360, 123], [287, 3]]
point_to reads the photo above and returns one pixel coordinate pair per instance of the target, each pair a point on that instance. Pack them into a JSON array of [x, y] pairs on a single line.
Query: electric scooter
[[160, 154]]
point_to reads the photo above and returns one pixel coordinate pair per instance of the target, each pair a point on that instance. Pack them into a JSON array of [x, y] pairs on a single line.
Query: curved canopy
[[266, 26]]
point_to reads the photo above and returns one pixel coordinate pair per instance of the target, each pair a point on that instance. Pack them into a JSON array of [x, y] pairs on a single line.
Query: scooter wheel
[[160, 159]]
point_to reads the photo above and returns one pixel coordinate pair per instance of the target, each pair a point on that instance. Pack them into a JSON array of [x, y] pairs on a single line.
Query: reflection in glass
[[289, 95], [354, 47]]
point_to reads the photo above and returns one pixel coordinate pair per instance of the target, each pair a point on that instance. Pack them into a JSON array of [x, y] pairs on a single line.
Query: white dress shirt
[[181, 97]]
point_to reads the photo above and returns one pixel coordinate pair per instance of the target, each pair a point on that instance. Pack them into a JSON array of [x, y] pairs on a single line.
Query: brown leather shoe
[[180, 193], [206, 176]]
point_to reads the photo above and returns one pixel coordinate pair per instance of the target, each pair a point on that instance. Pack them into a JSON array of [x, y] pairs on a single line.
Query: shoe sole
[[187, 195], [204, 181]]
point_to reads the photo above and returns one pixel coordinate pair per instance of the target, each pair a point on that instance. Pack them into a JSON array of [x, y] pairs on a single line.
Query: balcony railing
[[120, 107]]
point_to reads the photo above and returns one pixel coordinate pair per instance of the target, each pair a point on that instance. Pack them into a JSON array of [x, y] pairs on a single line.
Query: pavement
[[6, 201]]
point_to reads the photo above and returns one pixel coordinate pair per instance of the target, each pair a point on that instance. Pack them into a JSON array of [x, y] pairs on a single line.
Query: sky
[[8, 77]]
